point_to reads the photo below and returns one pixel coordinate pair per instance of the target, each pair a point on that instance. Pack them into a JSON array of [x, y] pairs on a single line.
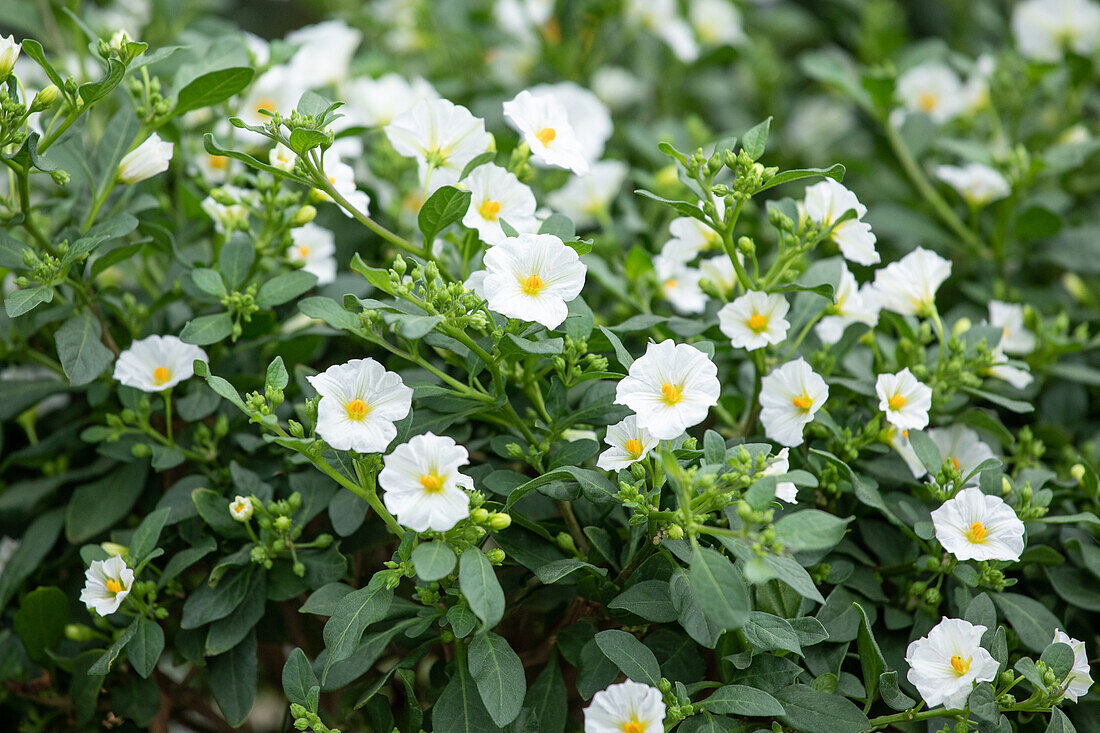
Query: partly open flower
[[670, 388], [932, 88], [1018, 376], [976, 526], [781, 464], [826, 203], [9, 52], [157, 363], [962, 446], [789, 398], [719, 272], [584, 198], [342, 177], [909, 285], [315, 247], [423, 487], [241, 508], [531, 277], [106, 585], [497, 195], [1046, 29], [628, 443], [1080, 677], [899, 441], [1016, 339], [978, 184], [588, 116], [442, 136], [628, 707], [545, 127], [945, 665], [360, 401], [755, 320], [146, 160], [854, 304], [904, 399], [679, 285]]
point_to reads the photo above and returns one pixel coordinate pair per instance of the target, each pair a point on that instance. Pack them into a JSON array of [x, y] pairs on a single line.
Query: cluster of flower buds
[[305, 720]]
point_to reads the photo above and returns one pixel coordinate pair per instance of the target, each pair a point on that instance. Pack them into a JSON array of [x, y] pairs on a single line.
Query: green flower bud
[[299, 569], [140, 450], [1078, 472], [303, 216], [45, 98], [481, 516], [500, 520], [79, 632], [565, 542], [496, 556], [675, 531], [282, 524]]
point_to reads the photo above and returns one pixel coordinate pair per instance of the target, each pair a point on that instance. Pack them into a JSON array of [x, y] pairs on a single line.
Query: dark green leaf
[[443, 208], [719, 589], [632, 657], [79, 349], [480, 586], [499, 676]]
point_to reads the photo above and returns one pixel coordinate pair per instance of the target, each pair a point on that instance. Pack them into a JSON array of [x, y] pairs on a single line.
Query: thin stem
[[168, 414], [370, 493]]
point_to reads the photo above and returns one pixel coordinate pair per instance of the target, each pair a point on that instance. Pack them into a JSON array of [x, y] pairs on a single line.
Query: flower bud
[[140, 450], [146, 160], [303, 216], [961, 326], [241, 508], [500, 520], [79, 632], [675, 532], [323, 540], [565, 542], [1078, 472], [9, 52], [496, 556], [299, 569], [282, 524], [45, 98], [481, 516]]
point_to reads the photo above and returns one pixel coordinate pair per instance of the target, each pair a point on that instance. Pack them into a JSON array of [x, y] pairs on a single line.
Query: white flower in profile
[[315, 247], [755, 320], [375, 102], [442, 136], [662, 19], [1080, 677], [909, 285], [962, 446], [904, 399], [282, 157], [423, 487], [899, 441], [628, 707], [1017, 376], [496, 194], [544, 125], [854, 304], [589, 117], [945, 665], [719, 271], [789, 398], [932, 88], [324, 52], [241, 508], [825, 203], [628, 443], [1045, 29], [977, 184], [617, 87], [679, 285], [531, 277], [106, 585], [157, 363], [781, 464], [342, 178], [670, 388], [360, 401], [146, 160], [8, 546], [583, 198], [716, 23], [1016, 339], [9, 53], [976, 526], [690, 236]]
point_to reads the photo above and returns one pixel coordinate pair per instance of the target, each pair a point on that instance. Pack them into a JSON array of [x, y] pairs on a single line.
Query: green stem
[[168, 414], [367, 480]]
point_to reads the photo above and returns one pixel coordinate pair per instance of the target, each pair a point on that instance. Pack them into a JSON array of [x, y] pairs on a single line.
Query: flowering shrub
[[743, 382]]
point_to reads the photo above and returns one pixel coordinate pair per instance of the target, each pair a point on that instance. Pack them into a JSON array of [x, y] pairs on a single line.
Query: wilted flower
[[789, 398], [497, 195], [945, 665], [628, 443], [545, 127], [157, 363], [582, 198], [825, 203], [360, 401], [904, 399], [670, 388], [146, 160], [1045, 29], [628, 707], [909, 285], [531, 277], [1080, 677], [854, 304], [755, 320], [241, 508], [932, 88], [978, 184], [976, 526], [442, 136], [423, 487], [315, 247], [106, 585]]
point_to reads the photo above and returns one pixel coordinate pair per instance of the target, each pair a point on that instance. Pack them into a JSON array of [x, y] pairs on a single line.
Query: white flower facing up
[[755, 320], [1045, 29], [932, 88], [423, 487], [146, 160], [496, 194], [909, 285], [854, 304], [531, 277], [825, 203], [1016, 339], [945, 665], [781, 464], [442, 136], [360, 401], [628, 707], [106, 585], [628, 443], [375, 102], [789, 398], [157, 363], [544, 125], [584, 198], [1080, 677], [588, 116], [9, 53], [241, 508], [670, 388], [315, 247], [904, 399], [976, 526], [679, 285], [977, 184], [962, 446]]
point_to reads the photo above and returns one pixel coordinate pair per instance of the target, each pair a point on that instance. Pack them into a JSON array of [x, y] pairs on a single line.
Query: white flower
[[9, 52], [854, 304], [978, 184], [360, 401], [1016, 339], [1080, 677], [909, 285], [496, 194], [583, 197], [146, 160], [157, 363], [442, 136], [282, 157], [905, 400], [476, 283], [8, 546], [227, 216], [324, 53], [789, 398], [719, 271], [825, 203], [962, 446], [545, 127], [1018, 377], [716, 22], [241, 508], [680, 285], [107, 583], [932, 88], [660, 18], [755, 320], [1044, 29], [589, 117], [375, 102], [781, 464], [424, 489], [214, 169], [691, 236], [628, 707], [342, 178], [975, 526], [532, 277], [670, 388], [617, 87], [976, 90], [944, 665], [629, 443], [315, 247]]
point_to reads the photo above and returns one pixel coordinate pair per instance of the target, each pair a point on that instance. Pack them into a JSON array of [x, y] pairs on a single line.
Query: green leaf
[[233, 680], [143, 650], [96, 90], [632, 657], [870, 655], [227, 632], [34, 50], [304, 139], [649, 599], [983, 703], [549, 699], [212, 88], [1059, 658], [499, 676], [686, 208], [281, 288], [213, 148], [891, 694], [835, 171], [299, 681], [927, 451], [376, 276], [207, 603], [26, 300], [479, 584], [35, 544], [812, 711], [742, 700], [79, 349], [209, 281], [40, 621], [206, 330], [98, 506], [810, 529], [756, 139], [460, 709], [354, 613], [1030, 619], [1059, 723], [719, 589], [146, 535], [433, 560], [443, 208], [329, 311], [103, 664], [235, 259]]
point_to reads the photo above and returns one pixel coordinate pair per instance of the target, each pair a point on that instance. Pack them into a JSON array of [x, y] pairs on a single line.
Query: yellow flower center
[[533, 285], [897, 402], [489, 210], [802, 402], [114, 586], [357, 410], [432, 483], [634, 726], [546, 135], [266, 103], [218, 162], [303, 251], [954, 462], [634, 447], [161, 375], [928, 101], [671, 393], [671, 283], [758, 322], [960, 665], [977, 533]]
